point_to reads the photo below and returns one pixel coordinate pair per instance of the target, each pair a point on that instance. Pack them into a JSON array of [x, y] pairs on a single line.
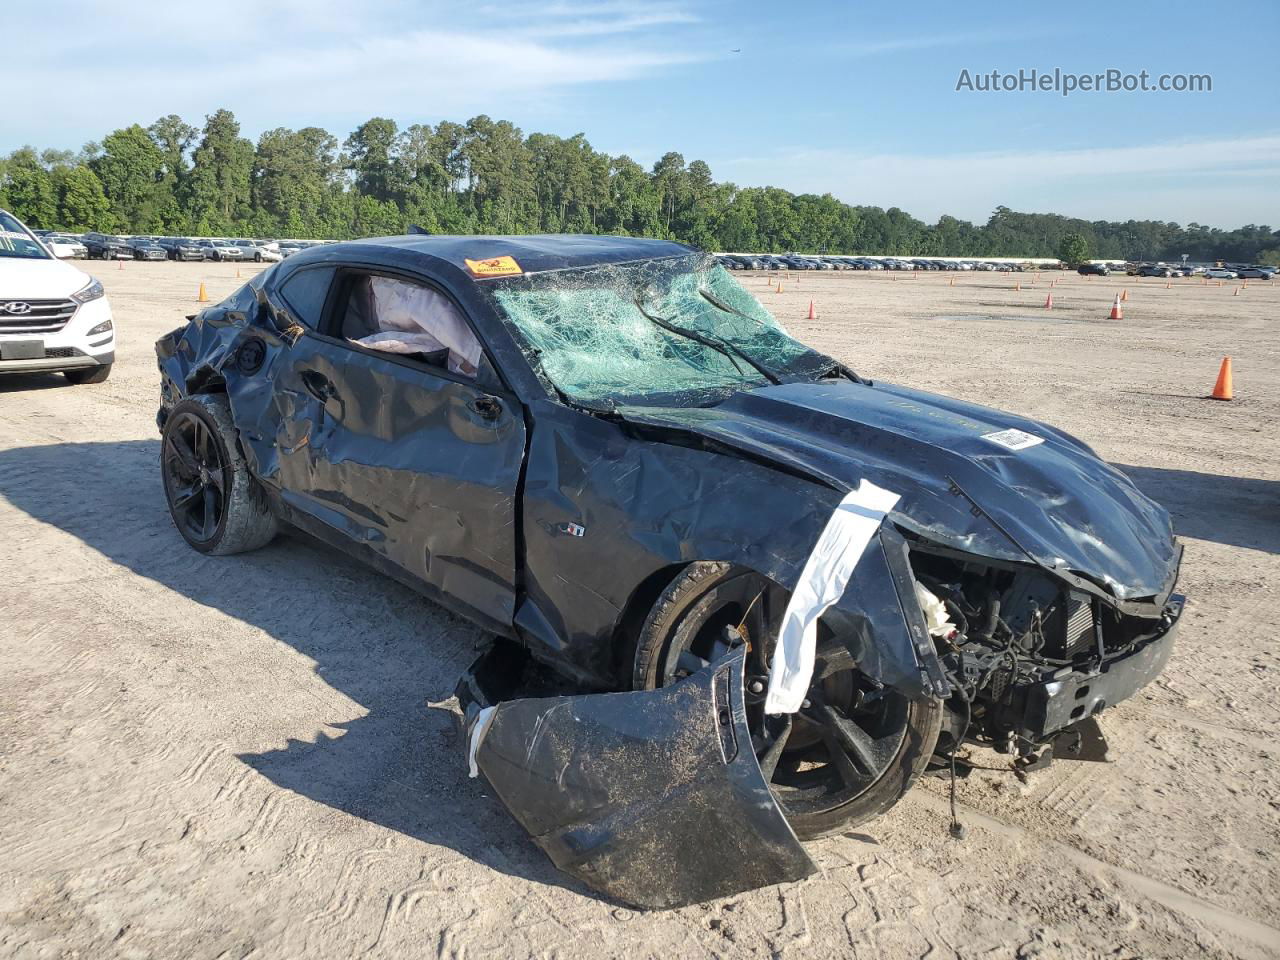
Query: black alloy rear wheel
[[215, 503]]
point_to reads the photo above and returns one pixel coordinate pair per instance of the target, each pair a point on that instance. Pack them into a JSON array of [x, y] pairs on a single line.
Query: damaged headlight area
[[1031, 661], [652, 797]]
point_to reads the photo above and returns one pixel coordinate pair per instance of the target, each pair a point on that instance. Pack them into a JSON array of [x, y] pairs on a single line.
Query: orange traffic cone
[[237, 273], [812, 315], [1222, 389], [1017, 286], [1117, 313], [1048, 302], [1124, 296], [952, 283], [202, 297]]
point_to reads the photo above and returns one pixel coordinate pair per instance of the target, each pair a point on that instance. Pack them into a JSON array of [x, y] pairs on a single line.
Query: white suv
[[52, 316]]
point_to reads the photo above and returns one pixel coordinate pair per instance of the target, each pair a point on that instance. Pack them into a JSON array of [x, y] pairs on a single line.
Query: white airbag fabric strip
[[823, 580]]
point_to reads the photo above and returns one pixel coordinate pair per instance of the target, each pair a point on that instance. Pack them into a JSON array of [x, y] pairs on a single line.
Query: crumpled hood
[[1062, 504]]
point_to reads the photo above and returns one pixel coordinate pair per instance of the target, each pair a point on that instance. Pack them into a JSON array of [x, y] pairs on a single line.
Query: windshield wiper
[[836, 368], [721, 305], [833, 365], [723, 347]]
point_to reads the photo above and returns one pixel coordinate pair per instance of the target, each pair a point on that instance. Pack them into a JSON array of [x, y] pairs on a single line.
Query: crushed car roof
[[532, 253]]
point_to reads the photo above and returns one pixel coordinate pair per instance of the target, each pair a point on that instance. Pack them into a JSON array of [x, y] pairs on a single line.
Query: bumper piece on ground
[[654, 797]]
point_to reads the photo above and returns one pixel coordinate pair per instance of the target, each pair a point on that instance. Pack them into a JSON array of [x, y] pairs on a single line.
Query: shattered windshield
[[676, 330]]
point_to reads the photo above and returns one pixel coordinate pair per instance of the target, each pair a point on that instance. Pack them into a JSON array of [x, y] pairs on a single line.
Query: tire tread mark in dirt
[[347, 888], [1167, 895], [200, 766]]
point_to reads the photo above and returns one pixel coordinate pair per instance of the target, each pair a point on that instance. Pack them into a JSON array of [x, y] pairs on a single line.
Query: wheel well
[[626, 630], [209, 383]]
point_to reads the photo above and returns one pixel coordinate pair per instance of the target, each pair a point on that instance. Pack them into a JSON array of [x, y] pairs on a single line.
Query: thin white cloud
[[873, 46], [331, 61], [565, 20], [1210, 181]]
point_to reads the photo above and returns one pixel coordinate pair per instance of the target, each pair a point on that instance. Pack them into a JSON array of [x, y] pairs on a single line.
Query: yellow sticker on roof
[[493, 267]]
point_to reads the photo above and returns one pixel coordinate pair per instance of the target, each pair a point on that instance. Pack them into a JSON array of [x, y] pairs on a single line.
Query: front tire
[[215, 503], [848, 756], [88, 374]]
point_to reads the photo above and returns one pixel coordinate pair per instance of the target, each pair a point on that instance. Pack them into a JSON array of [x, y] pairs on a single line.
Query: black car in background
[[106, 246], [147, 248], [181, 248], [1093, 269]]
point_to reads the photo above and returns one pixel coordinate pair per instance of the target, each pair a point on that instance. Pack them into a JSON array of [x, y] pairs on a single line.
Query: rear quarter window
[[305, 291]]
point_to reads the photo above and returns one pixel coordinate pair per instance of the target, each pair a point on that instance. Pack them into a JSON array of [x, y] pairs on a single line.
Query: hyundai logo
[[16, 307]]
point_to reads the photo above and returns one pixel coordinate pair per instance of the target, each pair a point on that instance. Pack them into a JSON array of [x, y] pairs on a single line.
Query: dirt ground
[[234, 757]]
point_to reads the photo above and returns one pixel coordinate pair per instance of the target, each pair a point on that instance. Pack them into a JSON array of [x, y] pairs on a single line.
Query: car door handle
[[318, 386], [490, 408]]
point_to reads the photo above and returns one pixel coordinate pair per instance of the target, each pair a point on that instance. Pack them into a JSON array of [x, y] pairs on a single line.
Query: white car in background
[[53, 316], [66, 248], [258, 250], [220, 250]]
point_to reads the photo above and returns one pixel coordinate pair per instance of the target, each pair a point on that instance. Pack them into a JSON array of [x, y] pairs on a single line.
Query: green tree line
[[487, 176]]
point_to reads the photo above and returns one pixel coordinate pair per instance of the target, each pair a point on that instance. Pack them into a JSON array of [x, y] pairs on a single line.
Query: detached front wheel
[[854, 748], [215, 503]]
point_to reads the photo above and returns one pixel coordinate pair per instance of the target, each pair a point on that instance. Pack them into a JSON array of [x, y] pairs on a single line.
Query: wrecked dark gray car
[[740, 595]]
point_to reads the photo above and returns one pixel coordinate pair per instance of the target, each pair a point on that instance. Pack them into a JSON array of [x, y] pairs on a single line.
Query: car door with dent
[[414, 464]]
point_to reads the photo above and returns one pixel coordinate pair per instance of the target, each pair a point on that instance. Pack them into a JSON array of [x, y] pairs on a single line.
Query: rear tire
[[214, 501], [815, 795], [88, 374]]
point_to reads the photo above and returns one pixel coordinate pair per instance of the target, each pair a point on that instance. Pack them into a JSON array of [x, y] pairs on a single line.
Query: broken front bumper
[[652, 797], [1056, 704]]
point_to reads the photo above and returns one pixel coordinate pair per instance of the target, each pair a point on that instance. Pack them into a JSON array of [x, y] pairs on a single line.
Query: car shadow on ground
[[1236, 511], [392, 652], [22, 382]]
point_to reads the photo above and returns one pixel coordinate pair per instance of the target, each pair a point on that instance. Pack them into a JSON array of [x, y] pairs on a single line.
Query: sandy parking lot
[[233, 757]]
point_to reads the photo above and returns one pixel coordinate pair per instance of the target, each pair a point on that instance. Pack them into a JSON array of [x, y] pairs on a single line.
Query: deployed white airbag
[[823, 580], [414, 319]]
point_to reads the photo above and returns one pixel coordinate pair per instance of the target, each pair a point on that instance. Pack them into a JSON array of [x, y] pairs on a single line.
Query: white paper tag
[[1013, 439]]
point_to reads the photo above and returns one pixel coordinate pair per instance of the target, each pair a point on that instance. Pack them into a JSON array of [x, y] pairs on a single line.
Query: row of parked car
[[791, 261], [1229, 271], [110, 246]]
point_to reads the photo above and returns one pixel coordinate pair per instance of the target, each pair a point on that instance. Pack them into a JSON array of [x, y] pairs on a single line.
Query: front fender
[[607, 510]]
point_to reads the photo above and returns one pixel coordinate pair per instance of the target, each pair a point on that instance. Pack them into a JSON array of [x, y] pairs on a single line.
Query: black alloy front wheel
[[854, 748]]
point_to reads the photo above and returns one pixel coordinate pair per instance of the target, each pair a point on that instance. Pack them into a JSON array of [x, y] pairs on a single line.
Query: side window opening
[[305, 292], [409, 319]]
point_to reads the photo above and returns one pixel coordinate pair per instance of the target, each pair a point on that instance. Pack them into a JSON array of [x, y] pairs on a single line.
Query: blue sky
[[858, 100]]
